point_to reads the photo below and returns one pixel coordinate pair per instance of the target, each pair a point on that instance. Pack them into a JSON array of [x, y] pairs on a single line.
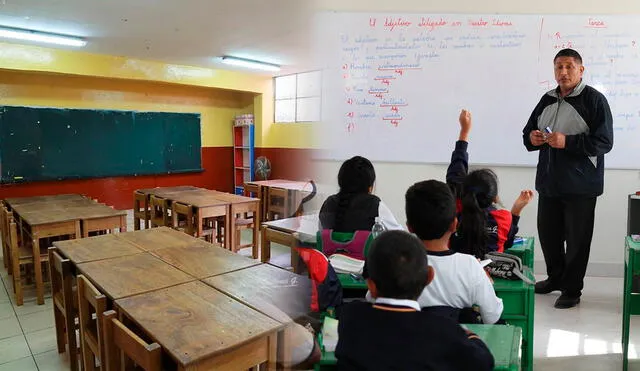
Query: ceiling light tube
[[250, 63], [49, 38]]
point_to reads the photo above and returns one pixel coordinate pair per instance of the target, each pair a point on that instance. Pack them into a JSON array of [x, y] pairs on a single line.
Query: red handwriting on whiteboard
[[394, 123], [345, 76], [557, 35], [394, 109], [386, 82], [378, 95], [372, 22], [478, 23], [501, 23], [596, 23], [351, 127], [391, 23], [350, 114], [349, 101], [345, 66], [399, 72], [430, 24], [633, 43], [456, 24]]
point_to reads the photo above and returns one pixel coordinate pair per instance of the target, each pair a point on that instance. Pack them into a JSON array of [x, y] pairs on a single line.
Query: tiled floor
[[584, 338]]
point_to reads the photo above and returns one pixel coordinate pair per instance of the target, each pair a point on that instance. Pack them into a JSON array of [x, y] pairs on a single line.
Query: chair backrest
[[276, 201], [140, 202], [90, 302], [159, 211], [122, 344], [355, 245], [184, 212], [60, 270]]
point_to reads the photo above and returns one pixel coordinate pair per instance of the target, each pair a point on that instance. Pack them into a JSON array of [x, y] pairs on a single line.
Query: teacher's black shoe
[[566, 301], [545, 287]]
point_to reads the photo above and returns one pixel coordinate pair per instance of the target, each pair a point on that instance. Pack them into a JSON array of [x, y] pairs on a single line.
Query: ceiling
[[189, 32]]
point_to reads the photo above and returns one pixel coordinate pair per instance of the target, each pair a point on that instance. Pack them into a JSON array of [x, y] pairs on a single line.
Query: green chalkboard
[[39, 144]]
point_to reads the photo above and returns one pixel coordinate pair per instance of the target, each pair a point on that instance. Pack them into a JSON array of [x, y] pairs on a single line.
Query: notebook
[[345, 264], [330, 334]]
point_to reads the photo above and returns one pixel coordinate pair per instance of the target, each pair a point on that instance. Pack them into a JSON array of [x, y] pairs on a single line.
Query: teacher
[[572, 127]]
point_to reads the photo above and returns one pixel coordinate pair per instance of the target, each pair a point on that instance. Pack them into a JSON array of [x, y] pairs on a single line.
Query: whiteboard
[[394, 84]]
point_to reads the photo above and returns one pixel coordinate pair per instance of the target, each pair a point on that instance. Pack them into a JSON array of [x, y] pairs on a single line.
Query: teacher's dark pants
[[566, 220]]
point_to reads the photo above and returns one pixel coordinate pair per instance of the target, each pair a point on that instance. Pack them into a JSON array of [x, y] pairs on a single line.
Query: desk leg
[[626, 308], [295, 258], [231, 233], [265, 247], [37, 268], [256, 232]]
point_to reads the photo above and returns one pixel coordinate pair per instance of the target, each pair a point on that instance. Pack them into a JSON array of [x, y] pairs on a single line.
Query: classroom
[[133, 137]]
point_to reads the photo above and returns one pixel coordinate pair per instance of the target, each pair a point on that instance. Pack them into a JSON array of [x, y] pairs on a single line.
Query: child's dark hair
[[430, 208], [398, 265], [479, 191], [355, 177]]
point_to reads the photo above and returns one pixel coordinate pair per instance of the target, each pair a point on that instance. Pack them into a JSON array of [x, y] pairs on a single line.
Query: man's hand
[[537, 138], [556, 140], [465, 125]]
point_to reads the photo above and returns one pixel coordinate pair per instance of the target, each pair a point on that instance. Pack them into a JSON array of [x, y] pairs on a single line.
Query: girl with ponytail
[[354, 208], [483, 224]]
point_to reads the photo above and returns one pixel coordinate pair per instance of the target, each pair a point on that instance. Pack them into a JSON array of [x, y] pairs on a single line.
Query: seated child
[[483, 225], [354, 208], [393, 333], [460, 281]]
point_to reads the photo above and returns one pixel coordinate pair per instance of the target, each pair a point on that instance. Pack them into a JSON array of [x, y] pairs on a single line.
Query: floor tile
[[9, 327], [52, 361], [6, 310], [42, 341], [22, 364], [30, 306], [13, 348], [36, 321]]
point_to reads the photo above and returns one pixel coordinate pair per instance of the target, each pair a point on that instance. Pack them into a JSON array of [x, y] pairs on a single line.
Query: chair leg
[[60, 336]]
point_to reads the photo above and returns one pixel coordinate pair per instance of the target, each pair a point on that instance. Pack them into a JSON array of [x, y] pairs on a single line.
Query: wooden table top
[[163, 191], [194, 321], [158, 238], [306, 224], [278, 293], [294, 185], [56, 211], [202, 259], [13, 201], [96, 248], [199, 199], [132, 275]]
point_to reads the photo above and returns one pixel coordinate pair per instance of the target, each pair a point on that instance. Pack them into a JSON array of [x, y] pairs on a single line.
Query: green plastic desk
[[630, 300]]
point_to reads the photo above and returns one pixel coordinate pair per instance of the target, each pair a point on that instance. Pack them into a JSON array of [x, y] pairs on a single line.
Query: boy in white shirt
[[460, 281]]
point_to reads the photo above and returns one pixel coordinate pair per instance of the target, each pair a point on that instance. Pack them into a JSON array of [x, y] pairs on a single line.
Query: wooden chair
[[276, 203], [64, 305], [184, 212], [141, 210], [4, 237], [159, 212], [90, 302], [123, 346]]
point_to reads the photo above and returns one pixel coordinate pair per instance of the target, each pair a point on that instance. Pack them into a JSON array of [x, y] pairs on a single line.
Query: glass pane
[[285, 87], [309, 84], [285, 110], [308, 109]]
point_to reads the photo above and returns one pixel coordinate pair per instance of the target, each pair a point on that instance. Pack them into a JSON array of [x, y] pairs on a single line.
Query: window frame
[[296, 98]]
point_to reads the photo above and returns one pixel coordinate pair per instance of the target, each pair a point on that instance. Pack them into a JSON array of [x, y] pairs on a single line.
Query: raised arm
[[459, 165]]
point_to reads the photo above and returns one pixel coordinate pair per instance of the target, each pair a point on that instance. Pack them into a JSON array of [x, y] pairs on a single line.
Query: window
[[297, 97]]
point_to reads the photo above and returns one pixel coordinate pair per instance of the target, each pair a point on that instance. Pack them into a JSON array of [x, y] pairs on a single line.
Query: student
[[460, 281], [354, 208], [483, 225], [393, 333]]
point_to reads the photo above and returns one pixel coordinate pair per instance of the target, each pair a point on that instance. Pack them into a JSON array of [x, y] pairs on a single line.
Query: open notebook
[[344, 264]]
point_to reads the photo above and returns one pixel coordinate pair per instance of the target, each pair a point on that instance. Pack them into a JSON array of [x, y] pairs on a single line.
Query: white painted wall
[[393, 179]]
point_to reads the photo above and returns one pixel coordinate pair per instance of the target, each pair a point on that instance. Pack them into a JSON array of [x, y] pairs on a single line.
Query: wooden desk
[[278, 293], [295, 190], [205, 205], [504, 343], [157, 238], [202, 259], [43, 199], [288, 232], [96, 248], [166, 191], [238, 206], [204, 329], [131, 275]]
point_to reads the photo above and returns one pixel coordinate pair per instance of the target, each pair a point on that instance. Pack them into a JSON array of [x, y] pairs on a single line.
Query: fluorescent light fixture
[[49, 38], [250, 63]]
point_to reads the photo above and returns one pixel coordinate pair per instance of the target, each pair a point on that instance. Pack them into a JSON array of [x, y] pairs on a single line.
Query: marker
[[548, 130]]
